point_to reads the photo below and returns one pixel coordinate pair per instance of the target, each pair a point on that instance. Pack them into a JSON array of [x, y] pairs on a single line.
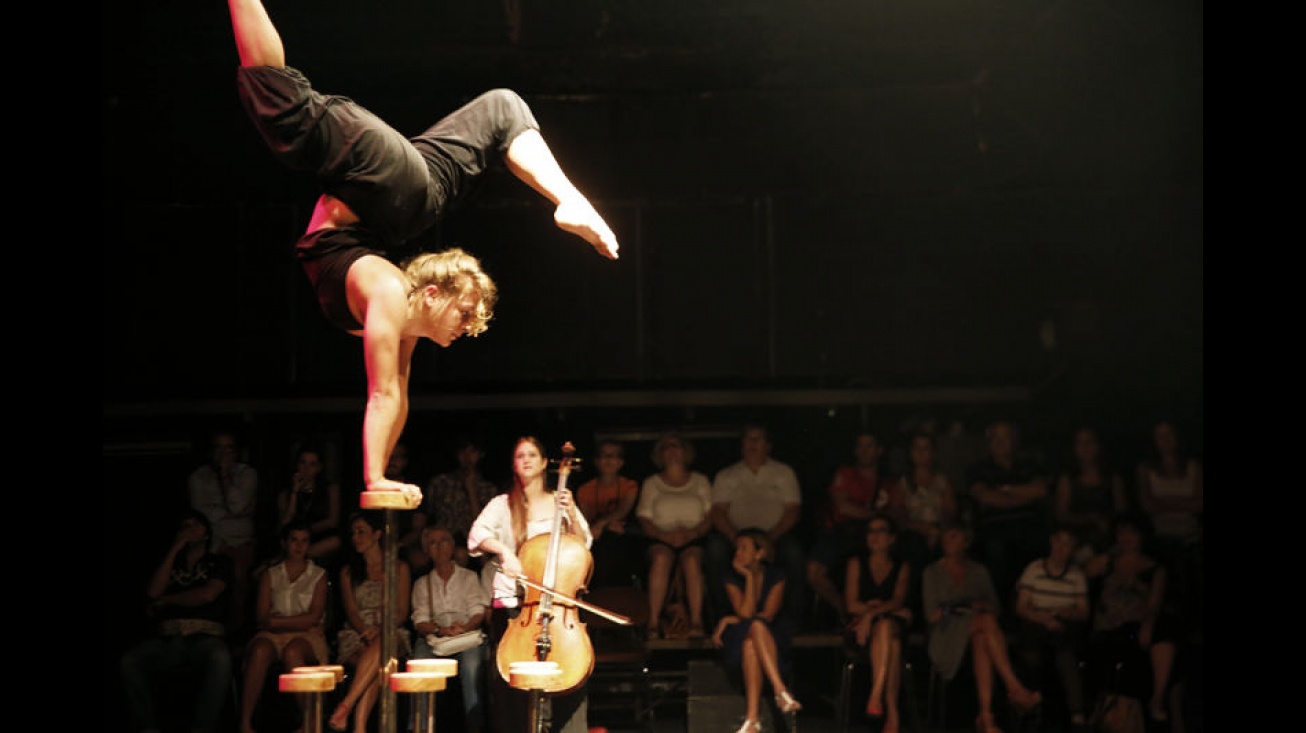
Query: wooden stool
[[535, 677], [423, 710], [385, 500], [312, 685], [425, 684], [445, 666]]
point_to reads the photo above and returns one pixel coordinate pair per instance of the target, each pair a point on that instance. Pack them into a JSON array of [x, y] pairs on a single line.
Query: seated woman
[[673, 511], [450, 601], [875, 594], [961, 606], [362, 596], [752, 638], [1129, 624], [315, 499], [1090, 492], [290, 612]]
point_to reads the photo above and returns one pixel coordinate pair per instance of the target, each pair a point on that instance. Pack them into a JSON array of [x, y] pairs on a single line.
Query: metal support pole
[[389, 663]]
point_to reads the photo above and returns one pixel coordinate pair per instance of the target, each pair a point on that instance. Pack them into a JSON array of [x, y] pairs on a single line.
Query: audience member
[[876, 588], [1052, 612], [450, 601], [1170, 492], [857, 492], [757, 491], [1010, 490], [454, 498], [1130, 625], [751, 636], [188, 596], [362, 598], [506, 523], [290, 611], [608, 501], [962, 609], [225, 489], [313, 499], [673, 511], [1089, 495], [929, 502]]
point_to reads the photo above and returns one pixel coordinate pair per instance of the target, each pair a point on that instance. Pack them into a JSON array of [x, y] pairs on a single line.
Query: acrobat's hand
[[578, 216], [412, 494]]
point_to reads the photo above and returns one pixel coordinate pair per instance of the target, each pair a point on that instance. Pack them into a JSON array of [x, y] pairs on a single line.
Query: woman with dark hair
[[362, 595], [313, 499], [875, 592], [290, 612], [1089, 494], [1130, 624], [1170, 491]]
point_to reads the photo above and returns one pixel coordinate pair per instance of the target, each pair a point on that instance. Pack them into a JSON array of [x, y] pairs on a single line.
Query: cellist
[[503, 526]]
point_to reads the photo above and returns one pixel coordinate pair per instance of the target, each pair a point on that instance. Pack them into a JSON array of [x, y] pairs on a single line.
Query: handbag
[[447, 646]]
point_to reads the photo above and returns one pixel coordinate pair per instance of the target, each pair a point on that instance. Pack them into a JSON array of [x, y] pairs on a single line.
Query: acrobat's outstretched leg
[[257, 40], [530, 159]]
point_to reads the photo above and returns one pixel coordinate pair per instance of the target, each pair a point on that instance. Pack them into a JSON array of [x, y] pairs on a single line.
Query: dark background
[[830, 194]]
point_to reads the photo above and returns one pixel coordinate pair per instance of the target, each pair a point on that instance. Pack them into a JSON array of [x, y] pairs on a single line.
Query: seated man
[[757, 491], [187, 597]]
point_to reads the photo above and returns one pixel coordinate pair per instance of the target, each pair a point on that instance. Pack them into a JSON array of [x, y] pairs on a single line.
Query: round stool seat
[[446, 667], [306, 682], [417, 682], [336, 669], [385, 500], [533, 675]]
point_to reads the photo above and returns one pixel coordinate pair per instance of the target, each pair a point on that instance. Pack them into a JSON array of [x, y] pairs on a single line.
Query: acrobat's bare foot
[[579, 217]]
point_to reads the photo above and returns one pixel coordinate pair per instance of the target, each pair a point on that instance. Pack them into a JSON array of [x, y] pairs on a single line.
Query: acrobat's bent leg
[[530, 159]]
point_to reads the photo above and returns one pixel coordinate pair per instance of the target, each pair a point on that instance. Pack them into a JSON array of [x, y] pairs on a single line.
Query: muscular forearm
[[383, 419]]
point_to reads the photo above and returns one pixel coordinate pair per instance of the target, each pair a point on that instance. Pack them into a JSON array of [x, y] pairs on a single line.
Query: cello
[[548, 628]]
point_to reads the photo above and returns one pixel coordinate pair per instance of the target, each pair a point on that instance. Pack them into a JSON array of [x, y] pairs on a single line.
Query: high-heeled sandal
[[750, 726], [873, 710], [787, 703], [342, 711]]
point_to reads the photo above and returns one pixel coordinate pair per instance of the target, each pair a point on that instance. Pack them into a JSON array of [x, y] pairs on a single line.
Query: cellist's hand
[[511, 565], [564, 499]]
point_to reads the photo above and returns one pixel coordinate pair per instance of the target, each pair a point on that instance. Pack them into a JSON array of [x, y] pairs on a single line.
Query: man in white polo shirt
[[762, 492]]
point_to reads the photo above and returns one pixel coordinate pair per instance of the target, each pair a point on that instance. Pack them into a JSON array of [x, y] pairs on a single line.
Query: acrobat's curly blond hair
[[456, 273]]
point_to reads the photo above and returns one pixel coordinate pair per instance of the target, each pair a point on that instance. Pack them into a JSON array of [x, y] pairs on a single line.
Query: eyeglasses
[[877, 530]]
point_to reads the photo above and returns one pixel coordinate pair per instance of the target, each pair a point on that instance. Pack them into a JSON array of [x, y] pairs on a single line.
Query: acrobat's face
[[452, 318]]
